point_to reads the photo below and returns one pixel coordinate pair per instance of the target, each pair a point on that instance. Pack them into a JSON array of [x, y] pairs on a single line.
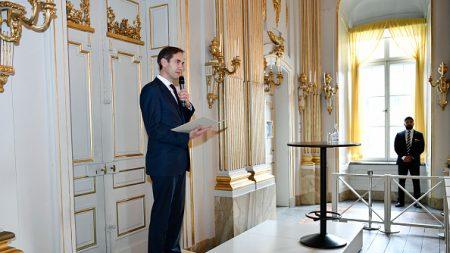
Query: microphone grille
[[181, 79]]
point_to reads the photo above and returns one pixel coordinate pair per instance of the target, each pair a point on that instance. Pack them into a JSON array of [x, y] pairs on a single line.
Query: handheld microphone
[[181, 82]]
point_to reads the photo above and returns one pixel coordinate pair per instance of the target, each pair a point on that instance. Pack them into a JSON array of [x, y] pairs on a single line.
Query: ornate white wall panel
[[131, 215], [81, 92], [154, 67], [126, 78], [84, 186], [159, 26], [86, 229], [129, 177]]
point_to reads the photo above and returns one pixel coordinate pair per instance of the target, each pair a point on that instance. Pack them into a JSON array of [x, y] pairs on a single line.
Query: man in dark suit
[[409, 144], [167, 160]]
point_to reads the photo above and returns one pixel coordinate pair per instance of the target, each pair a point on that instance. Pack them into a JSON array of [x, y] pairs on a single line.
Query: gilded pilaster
[[311, 118], [233, 101]]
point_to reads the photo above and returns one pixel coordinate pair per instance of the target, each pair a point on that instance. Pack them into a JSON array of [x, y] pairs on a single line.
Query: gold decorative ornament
[[270, 82], [265, 10], [123, 30], [277, 8], [304, 90], [279, 44], [442, 85], [329, 91], [12, 18], [278, 51], [5, 238], [79, 19], [217, 70]]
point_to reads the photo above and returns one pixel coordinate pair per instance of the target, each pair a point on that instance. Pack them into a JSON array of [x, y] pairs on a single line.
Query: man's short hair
[[407, 118], [167, 53]]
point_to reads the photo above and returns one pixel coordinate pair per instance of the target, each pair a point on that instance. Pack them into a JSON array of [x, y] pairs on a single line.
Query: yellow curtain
[[363, 41], [410, 35]]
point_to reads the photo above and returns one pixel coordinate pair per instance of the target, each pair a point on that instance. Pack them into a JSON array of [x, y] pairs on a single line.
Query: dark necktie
[[175, 92], [408, 142], [178, 100]]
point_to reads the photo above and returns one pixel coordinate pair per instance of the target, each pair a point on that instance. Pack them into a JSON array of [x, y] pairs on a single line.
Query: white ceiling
[[358, 12]]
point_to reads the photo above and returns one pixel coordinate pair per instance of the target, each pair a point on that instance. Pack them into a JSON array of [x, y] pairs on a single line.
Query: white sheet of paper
[[191, 125]]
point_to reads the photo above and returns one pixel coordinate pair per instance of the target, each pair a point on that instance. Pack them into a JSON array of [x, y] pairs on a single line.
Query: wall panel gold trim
[[134, 60], [132, 184], [151, 23], [117, 215], [94, 180], [89, 84], [94, 222]]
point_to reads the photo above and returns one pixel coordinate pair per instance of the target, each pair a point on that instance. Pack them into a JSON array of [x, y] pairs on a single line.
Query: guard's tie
[[408, 142]]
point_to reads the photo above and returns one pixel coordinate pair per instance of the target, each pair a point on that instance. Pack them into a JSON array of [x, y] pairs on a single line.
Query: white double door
[[112, 194]]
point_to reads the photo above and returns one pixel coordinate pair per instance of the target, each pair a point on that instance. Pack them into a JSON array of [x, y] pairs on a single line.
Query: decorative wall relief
[[265, 10], [79, 18], [277, 8], [278, 41], [123, 30]]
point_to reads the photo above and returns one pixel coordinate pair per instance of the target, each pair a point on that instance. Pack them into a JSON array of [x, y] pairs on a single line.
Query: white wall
[[34, 143], [440, 120], [205, 150]]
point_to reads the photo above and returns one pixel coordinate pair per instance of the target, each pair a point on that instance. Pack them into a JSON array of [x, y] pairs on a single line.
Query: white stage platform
[[272, 236]]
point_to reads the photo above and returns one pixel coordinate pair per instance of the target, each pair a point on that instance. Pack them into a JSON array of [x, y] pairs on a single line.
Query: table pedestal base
[[319, 241]]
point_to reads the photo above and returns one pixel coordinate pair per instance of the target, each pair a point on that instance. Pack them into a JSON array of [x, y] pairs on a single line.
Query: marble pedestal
[[272, 237], [236, 214]]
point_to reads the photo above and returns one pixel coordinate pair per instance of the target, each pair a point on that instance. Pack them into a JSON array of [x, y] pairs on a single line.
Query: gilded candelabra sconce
[[305, 89], [217, 70], [269, 79], [328, 91], [274, 58], [442, 85], [12, 18]]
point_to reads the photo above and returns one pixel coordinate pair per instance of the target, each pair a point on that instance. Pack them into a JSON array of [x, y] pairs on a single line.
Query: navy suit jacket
[[417, 148], [167, 151]]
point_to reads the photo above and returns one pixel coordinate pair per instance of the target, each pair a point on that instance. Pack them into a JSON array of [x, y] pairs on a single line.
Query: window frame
[[386, 62]]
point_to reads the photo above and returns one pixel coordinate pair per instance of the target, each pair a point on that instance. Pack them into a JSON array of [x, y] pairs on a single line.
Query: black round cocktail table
[[323, 240]]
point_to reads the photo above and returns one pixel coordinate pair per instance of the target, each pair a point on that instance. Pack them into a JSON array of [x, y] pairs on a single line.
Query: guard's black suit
[[417, 148]]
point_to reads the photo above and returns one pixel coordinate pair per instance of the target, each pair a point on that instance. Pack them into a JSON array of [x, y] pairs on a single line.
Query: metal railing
[[386, 219]]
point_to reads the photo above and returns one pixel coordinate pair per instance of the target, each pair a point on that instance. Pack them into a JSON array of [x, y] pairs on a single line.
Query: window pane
[[401, 107], [379, 51], [393, 132], [373, 139], [394, 50], [402, 78], [371, 80], [372, 111]]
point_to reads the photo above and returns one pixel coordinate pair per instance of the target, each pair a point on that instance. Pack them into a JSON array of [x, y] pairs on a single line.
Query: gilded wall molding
[[277, 8], [265, 10], [279, 44], [124, 30], [79, 19], [6, 238]]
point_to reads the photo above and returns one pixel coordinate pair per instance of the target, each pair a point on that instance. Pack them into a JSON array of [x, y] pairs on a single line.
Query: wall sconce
[[11, 30], [442, 85], [328, 91], [274, 58], [305, 89], [217, 70], [269, 80]]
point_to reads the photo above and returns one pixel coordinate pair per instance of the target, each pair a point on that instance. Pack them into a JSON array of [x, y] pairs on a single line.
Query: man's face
[[174, 67], [409, 124]]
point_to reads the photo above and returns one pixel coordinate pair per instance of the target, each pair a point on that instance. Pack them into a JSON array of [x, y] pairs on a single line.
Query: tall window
[[387, 82]]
